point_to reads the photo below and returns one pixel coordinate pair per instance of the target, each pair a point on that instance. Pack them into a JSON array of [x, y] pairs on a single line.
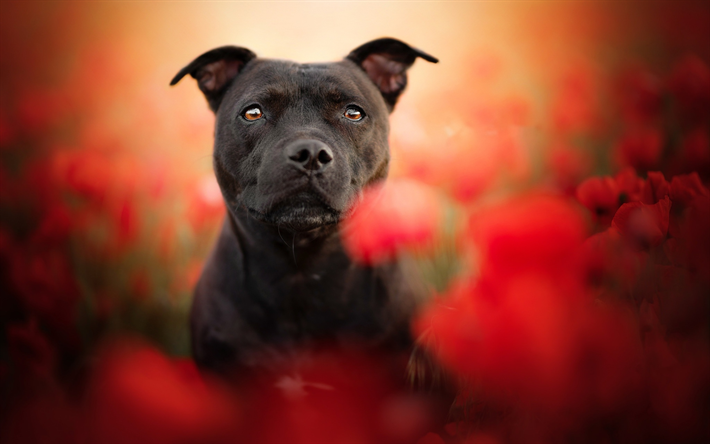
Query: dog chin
[[301, 213]]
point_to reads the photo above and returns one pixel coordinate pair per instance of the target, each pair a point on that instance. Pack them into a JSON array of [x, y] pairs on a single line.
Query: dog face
[[295, 143]]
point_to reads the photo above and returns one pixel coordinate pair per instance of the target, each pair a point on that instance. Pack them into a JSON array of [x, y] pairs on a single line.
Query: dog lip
[[300, 209]]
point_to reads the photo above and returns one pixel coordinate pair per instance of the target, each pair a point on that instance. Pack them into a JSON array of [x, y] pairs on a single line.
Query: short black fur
[[278, 279]]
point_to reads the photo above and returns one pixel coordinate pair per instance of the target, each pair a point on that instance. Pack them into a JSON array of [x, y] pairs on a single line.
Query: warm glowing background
[[108, 205]]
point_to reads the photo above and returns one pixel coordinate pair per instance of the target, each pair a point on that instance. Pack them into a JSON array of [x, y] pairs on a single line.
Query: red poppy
[[630, 185], [398, 215], [689, 246], [206, 206], [609, 263], [138, 395], [530, 231], [639, 148], [574, 107], [47, 286], [695, 152], [686, 187], [33, 357], [639, 95], [330, 396], [655, 188], [601, 196], [86, 173], [690, 84], [644, 225]]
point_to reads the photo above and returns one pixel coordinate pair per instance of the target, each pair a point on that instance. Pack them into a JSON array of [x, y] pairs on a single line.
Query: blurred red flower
[[639, 148], [574, 108], [609, 263], [639, 95], [695, 152], [33, 357], [527, 232], [690, 84], [46, 285], [630, 185], [400, 214], [655, 188], [686, 187], [644, 225], [205, 205], [334, 397], [137, 395], [601, 196]]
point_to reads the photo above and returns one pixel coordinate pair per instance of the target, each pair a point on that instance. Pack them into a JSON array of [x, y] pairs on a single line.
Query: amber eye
[[253, 113], [353, 113]]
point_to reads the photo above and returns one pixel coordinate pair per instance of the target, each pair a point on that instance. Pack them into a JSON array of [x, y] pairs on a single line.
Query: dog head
[[295, 143]]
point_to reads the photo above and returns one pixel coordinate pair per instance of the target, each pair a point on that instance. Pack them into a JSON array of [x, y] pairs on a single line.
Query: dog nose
[[309, 154]]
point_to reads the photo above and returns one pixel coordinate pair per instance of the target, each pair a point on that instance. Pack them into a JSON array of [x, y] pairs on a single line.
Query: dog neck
[[279, 246]]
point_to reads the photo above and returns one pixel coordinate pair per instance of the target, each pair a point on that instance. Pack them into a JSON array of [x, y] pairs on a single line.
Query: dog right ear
[[215, 70]]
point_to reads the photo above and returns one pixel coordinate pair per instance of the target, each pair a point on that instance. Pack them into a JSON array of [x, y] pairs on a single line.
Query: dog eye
[[253, 113], [353, 113]]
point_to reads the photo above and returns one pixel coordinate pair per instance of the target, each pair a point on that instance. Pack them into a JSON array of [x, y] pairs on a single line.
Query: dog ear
[[386, 62], [215, 70]]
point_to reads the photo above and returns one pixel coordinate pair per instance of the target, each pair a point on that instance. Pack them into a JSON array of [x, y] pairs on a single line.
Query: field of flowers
[[560, 221]]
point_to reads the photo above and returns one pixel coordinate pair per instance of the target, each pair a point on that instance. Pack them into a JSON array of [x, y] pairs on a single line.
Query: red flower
[[601, 196], [535, 342], [684, 188], [46, 284], [638, 93], [574, 108], [206, 206], [86, 173], [690, 84], [332, 397], [689, 246], [609, 263], [645, 225], [32, 355], [138, 395], [630, 185], [529, 232], [639, 148], [695, 152], [655, 188], [397, 215]]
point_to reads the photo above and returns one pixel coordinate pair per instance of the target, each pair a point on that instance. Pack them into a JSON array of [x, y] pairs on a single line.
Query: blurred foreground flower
[[399, 215]]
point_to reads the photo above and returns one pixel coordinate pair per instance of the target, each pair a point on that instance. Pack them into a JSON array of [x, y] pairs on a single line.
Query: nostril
[[302, 156], [324, 157]]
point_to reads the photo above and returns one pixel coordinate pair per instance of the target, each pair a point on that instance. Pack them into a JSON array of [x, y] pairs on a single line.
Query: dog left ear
[[215, 70], [386, 62]]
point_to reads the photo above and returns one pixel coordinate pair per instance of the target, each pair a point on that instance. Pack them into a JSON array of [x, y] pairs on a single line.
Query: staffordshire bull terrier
[[294, 146]]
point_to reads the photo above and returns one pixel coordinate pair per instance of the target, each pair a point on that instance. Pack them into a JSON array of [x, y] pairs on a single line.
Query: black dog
[[294, 146]]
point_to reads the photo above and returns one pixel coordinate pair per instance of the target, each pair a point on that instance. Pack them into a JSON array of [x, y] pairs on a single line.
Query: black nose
[[309, 154]]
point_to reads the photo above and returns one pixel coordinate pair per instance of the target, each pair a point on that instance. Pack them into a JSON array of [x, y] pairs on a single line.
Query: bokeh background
[[108, 207]]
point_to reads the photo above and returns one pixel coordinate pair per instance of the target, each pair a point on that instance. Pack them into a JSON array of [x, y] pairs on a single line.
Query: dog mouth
[[302, 211]]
